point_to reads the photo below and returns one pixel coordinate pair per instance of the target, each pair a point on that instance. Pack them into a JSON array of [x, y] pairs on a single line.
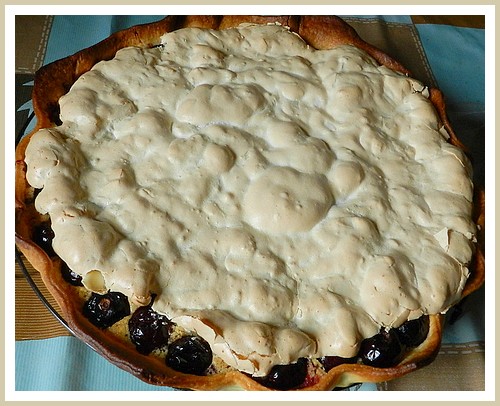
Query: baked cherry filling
[[382, 350], [284, 377], [189, 354], [413, 332], [69, 276], [331, 361], [387, 348], [43, 236], [105, 310], [148, 329]]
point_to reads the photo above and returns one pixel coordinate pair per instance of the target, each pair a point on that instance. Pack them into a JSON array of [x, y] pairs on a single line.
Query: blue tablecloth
[[456, 56]]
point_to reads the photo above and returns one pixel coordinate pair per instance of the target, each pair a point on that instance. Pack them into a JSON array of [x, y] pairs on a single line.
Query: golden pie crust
[[54, 80]]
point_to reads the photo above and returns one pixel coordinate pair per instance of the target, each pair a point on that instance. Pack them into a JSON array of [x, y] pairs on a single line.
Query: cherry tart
[[173, 319]]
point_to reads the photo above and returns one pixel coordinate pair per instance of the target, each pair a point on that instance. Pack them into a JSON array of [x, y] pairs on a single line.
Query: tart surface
[[239, 250]]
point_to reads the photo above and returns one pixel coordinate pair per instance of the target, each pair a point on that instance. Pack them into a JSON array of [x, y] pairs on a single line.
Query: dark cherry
[[413, 332], [54, 111], [330, 362], [189, 354], [284, 377], [43, 236], [105, 310], [382, 350], [69, 276], [148, 329], [36, 192]]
